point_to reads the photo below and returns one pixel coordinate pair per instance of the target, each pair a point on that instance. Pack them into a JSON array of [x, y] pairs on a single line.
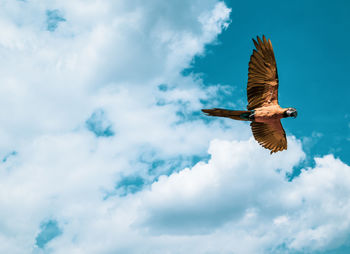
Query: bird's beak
[[294, 114]]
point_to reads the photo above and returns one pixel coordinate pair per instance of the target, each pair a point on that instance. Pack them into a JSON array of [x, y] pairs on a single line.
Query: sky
[[105, 150], [310, 44]]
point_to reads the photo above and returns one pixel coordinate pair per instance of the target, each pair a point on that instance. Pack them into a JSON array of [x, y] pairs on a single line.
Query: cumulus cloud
[[104, 149], [229, 204], [212, 193], [252, 203]]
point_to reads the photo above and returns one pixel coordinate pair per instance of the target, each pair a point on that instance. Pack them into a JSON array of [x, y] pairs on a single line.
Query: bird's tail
[[243, 115]]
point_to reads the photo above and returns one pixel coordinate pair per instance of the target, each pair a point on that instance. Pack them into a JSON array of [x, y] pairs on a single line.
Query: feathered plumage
[[262, 92]]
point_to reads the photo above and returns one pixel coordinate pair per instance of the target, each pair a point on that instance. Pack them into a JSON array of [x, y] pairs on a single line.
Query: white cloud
[[213, 193], [230, 204], [111, 57]]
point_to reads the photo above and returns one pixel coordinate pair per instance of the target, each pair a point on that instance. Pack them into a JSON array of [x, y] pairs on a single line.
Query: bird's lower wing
[[270, 135]]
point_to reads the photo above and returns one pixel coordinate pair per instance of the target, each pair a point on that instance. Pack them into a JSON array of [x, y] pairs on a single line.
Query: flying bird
[[263, 109]]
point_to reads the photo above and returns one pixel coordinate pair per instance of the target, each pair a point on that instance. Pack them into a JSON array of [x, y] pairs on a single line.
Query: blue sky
[[310, 43], [105, 150]]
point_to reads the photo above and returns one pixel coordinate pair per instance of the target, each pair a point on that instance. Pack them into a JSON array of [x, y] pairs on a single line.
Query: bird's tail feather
[[242, 115]]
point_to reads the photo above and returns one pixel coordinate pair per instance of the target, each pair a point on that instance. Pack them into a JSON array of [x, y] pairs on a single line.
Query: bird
[[263, 110]]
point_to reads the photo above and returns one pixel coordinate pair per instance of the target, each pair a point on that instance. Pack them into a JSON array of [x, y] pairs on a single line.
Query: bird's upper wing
[[262, 88], [270, 135]]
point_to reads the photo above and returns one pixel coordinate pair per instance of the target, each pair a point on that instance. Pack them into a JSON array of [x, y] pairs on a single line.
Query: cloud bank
[[104, 149]]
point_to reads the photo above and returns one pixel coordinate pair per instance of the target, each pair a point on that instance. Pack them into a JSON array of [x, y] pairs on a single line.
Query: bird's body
[[264, 112], [268, 113]]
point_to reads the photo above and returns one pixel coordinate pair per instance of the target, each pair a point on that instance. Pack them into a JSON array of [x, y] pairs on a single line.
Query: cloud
[[229, 204], [212, 193], [251, 203], [104, 148]]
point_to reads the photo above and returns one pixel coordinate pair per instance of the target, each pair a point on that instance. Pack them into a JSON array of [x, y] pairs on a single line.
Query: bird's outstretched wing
[[270, 135], [262, 88]]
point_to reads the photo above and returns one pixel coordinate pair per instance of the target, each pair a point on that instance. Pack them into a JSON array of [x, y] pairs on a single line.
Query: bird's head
[[291, 112]]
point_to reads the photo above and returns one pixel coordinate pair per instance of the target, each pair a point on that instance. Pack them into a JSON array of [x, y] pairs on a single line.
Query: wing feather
[[270, 135], [262, 88]]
